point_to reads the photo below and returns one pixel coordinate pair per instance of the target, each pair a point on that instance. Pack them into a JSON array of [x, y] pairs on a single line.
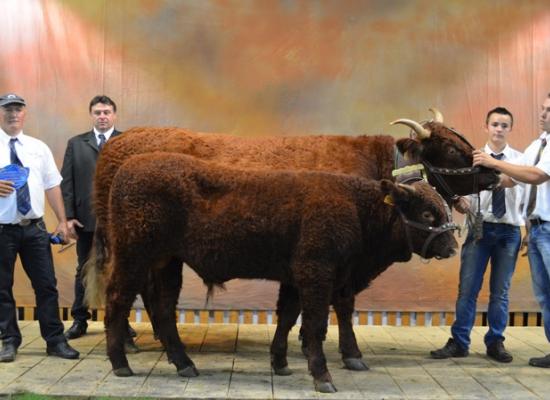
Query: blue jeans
[[500, 244], [539, 261]]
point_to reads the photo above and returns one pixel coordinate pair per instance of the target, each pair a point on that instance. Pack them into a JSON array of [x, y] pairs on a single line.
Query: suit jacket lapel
[[91, 140]]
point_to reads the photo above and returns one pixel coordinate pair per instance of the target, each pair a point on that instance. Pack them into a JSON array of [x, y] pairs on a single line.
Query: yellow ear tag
[[389, 200]]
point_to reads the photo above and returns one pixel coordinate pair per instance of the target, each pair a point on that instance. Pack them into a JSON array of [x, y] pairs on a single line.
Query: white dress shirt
[[513, 195], [43, 175], [542, 205]]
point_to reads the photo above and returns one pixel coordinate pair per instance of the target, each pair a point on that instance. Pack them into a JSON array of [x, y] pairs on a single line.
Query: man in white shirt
[[500, 242], [534, 169], [22, 231]]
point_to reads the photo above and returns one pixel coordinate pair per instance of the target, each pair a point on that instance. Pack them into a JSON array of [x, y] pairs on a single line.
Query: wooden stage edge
[[234, 363], [383, 318]]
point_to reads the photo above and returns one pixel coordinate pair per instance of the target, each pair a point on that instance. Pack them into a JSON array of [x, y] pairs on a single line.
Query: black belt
[[25, 222], [537, 221]]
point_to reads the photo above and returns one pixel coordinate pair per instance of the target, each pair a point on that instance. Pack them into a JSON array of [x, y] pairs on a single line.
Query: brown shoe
[[451, 349], [541, 362]]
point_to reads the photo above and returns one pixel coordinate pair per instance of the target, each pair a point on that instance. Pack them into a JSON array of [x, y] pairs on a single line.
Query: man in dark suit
[[78, 174]]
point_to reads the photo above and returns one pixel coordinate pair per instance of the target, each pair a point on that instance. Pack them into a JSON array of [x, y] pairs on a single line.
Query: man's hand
[[462, 205], [481, 158], [62, 231], [72, 224], [6, 188]]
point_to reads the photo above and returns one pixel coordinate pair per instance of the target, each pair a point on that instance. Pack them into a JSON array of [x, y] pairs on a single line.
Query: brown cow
[[309, 230], [368, 156]]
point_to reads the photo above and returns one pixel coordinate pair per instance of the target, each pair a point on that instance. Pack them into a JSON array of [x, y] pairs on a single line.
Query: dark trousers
[[32, 244], [79, 310]]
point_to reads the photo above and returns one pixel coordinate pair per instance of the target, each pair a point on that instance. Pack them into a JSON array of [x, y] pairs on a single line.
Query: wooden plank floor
[[233, 361]]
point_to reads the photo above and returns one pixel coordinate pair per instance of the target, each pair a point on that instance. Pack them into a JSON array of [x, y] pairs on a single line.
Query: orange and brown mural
[[285, 67]]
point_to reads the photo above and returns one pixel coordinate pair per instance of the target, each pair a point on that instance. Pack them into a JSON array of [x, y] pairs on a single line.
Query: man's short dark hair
[[502, 111], [104, 100]]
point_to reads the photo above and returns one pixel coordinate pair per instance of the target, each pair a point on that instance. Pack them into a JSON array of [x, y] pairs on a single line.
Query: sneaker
[[541, 362], [497, 352], [451, 349]]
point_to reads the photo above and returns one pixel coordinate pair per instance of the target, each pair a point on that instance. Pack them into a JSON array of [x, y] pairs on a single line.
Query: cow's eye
[[428, 216]]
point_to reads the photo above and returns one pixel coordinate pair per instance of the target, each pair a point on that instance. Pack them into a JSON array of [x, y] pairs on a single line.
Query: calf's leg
[[343, 302], [288, 309], [169, 280], [315, 303], [120, 294]]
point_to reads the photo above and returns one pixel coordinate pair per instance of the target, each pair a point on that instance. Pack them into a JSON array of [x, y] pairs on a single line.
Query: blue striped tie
[[22, 194], [499, 201]]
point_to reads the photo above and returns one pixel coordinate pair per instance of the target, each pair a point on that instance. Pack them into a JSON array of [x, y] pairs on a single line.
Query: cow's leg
[[120, 294], [288, 309], [169, 279], [343, 302], [315, 299], [151, 288]]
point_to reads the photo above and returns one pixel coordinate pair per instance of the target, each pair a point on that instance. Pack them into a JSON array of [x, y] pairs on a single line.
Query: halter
[[438, 172], [433, 230]]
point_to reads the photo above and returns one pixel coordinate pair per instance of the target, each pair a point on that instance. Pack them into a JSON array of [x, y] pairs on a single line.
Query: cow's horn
[[421, 132], [438, 117]]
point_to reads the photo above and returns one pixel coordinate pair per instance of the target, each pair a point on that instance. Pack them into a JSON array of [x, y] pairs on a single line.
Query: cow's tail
[[94, 272]]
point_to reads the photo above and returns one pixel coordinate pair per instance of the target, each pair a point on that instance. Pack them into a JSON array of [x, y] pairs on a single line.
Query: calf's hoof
[[123, 372], [355, 364], [324, 387], [188, 372], [282, 371]]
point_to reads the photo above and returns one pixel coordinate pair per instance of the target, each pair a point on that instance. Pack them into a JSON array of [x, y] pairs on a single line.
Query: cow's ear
[[395, 193], [411, 148]]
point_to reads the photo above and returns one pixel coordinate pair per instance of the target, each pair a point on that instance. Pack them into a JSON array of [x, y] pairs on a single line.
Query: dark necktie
[[533, 194], [102, 141], [22, 194], [499, 201]]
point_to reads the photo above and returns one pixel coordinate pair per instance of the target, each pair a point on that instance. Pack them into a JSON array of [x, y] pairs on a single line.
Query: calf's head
[[427, 223], [447, 157]]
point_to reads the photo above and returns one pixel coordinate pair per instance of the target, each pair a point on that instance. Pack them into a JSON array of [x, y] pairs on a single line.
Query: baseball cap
[[11, 98]]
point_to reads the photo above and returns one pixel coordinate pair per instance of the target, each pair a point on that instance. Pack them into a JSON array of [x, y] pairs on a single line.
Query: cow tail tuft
[[94, 272]]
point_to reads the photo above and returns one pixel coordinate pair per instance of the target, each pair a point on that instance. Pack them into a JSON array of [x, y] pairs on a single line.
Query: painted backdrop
[[281, 68]]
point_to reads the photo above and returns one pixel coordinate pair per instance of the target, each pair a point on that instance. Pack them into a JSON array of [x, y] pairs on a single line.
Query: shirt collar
[[5, 138], [107, 134], [507, 151]]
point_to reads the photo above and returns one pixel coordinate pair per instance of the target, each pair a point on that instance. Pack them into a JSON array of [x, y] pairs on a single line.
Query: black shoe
[[497, 352], [541, 362], [77, 329], [451, 349], [131, 331], [63, 350], [8, 352]]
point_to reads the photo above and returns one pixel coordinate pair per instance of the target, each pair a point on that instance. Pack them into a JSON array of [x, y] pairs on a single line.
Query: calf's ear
[[411, 148], [395, 193]]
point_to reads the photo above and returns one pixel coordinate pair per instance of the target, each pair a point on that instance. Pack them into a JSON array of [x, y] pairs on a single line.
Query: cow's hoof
[[355, 364], [188, 372], [283, 371], [324, 387], [123, 372], [130, 347]]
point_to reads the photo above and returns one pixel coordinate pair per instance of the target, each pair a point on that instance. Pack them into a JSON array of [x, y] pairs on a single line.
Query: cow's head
[[447, 158], [426, 218]]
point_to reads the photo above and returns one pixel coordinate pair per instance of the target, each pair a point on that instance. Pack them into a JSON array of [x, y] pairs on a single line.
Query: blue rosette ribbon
[[16, 174]]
